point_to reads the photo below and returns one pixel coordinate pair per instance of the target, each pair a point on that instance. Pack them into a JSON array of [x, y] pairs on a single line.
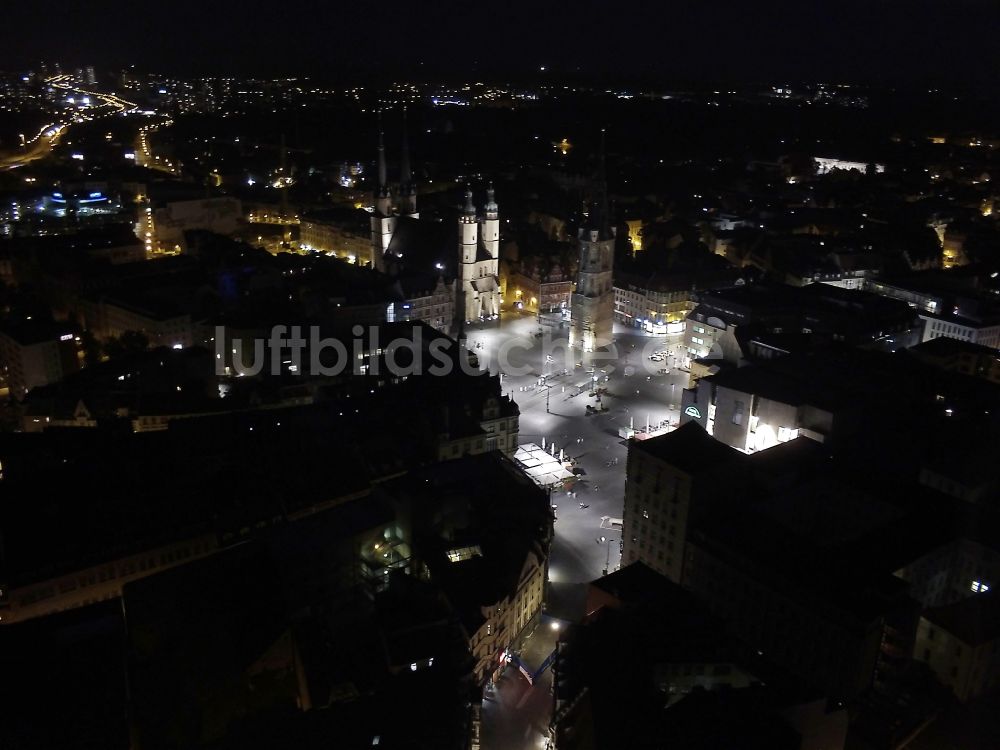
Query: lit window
[[787, 433], [979, 587]]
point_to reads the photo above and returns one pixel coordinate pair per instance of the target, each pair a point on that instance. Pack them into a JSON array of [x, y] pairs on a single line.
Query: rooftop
[[690, 449]]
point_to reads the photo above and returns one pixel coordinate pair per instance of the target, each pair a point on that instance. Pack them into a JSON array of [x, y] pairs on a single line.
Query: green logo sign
[[692, 411]]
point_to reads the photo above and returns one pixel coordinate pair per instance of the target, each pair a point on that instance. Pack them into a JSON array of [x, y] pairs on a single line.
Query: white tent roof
[[544, 468]]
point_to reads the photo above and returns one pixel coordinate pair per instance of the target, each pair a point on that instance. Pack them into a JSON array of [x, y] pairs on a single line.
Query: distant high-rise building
[[91, 76]]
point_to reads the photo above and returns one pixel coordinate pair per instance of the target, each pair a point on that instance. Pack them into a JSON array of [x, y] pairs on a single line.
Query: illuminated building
[[338, 232], [398, 236], [635, 234], [825, 165], [953, 249], [972, 316], [659, 302], [592, 307], [539, 287], [387, 211], [479, 250], [87, 203]]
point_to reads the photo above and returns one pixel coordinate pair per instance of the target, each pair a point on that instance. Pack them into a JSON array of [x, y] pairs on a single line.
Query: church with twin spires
[[402, 240]]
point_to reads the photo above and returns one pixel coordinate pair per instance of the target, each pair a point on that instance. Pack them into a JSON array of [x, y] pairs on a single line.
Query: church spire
[[470, 208], [383, 198], [407, 189], [383, 178], [404, 161], [491, 207], [599, 219]]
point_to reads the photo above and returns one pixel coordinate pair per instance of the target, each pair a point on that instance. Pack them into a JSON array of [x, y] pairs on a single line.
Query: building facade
[[960, 643], [162, 324], [36, 356], [535, 290], [662, 477], [342, 239], [655, 309], [432, 302]]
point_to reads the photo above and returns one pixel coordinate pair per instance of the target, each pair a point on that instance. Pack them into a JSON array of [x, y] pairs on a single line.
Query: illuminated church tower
[[593, 303], [383, 220], [387, 211], [407, 189], [478, 255]]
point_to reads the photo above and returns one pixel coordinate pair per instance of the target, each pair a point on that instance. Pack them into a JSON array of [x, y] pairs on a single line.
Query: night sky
[[879, 41]]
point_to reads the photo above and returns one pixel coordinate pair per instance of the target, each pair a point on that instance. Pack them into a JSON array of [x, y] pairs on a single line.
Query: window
[[738, 411], [787, 433], [978, 587]]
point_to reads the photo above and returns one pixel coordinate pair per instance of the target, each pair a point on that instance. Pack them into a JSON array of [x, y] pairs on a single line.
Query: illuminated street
[[516, 712], [41, 144]]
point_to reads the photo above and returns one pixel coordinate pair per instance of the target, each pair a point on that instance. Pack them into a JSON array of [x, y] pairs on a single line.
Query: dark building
[[676, 674]]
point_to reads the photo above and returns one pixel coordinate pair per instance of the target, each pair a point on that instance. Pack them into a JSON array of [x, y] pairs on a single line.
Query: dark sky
[[885, 41]]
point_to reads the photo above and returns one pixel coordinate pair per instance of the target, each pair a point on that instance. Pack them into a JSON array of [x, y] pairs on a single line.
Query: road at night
[[41, 144]]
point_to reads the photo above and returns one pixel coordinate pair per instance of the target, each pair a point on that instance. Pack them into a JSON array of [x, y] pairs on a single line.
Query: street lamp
[[607, 561], [548, 390]]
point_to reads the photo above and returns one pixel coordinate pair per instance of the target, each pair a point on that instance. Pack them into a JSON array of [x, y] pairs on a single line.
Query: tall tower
[[467, 305], [478, 289], [383, 222], [407, 190], [593, 303], [490, 226]]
